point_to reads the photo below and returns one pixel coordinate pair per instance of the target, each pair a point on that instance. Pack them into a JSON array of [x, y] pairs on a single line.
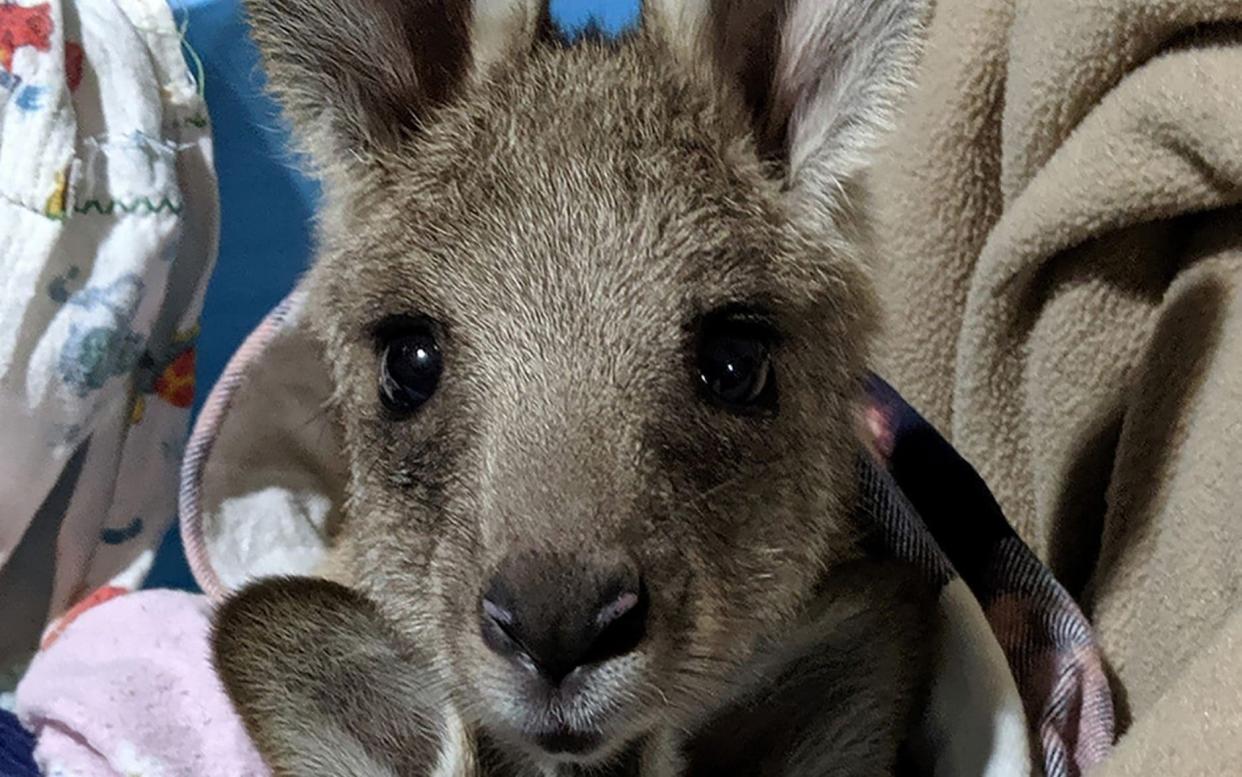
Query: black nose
[[559, 615]]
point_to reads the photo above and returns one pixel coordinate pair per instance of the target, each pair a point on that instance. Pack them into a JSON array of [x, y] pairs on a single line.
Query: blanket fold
[[1059, 222]]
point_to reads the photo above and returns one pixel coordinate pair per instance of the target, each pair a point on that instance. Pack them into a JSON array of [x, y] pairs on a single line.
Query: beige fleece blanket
[[1060, 228]]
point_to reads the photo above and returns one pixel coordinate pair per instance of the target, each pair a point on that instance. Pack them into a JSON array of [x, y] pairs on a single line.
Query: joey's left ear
[[821, 78], [326, 689], [842, 69]]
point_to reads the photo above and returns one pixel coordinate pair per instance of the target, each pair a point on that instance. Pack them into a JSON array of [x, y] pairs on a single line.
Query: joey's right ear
[[356, 77]]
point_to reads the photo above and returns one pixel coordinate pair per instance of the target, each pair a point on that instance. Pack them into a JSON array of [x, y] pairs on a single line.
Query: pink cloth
[[126, 689]]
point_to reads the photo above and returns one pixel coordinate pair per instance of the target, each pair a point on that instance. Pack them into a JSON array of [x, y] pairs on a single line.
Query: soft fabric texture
[[1019, 679], [1061, 261], [107, 237], [126, 689]]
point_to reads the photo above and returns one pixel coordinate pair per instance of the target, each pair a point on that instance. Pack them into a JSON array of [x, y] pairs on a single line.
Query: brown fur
[[568, 216]]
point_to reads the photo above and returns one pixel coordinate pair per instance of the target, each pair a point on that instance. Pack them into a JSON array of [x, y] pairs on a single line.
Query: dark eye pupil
[[409, 371], [734, 368]]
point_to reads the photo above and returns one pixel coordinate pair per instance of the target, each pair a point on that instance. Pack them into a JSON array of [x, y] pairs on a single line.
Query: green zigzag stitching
[[142, 206]]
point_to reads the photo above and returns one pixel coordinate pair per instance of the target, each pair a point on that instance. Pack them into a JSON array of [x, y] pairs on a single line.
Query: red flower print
[[176, 384], [21, 26]]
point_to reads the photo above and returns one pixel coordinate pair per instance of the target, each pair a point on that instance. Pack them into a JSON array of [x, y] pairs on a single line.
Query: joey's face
[[596, 330], [596, 381]]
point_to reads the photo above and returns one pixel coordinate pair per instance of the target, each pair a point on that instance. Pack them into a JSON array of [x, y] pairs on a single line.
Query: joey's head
[[597, 324]]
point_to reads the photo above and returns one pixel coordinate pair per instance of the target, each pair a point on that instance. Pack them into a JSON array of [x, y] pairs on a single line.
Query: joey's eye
[[735, 365], [410, 367]]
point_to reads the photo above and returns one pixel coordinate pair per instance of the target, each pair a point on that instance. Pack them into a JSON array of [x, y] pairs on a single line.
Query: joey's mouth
[[571, 739], [568, 742]]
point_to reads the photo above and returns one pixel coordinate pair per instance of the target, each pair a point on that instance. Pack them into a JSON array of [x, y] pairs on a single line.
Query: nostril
[[622, 624], [618, 608], [499, 631], [553, 619], [497, 613]]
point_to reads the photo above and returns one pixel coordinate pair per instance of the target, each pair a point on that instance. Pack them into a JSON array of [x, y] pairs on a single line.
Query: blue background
[[266, 205]]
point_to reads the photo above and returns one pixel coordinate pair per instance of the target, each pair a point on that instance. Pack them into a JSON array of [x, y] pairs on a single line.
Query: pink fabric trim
[[203, 438]]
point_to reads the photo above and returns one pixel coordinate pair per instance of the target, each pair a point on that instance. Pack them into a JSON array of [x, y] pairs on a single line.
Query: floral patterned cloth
[[108, 222]]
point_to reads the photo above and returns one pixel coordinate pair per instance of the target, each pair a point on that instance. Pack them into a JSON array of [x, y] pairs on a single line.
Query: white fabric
[[975, 725], [264, 474], [108, 232]]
